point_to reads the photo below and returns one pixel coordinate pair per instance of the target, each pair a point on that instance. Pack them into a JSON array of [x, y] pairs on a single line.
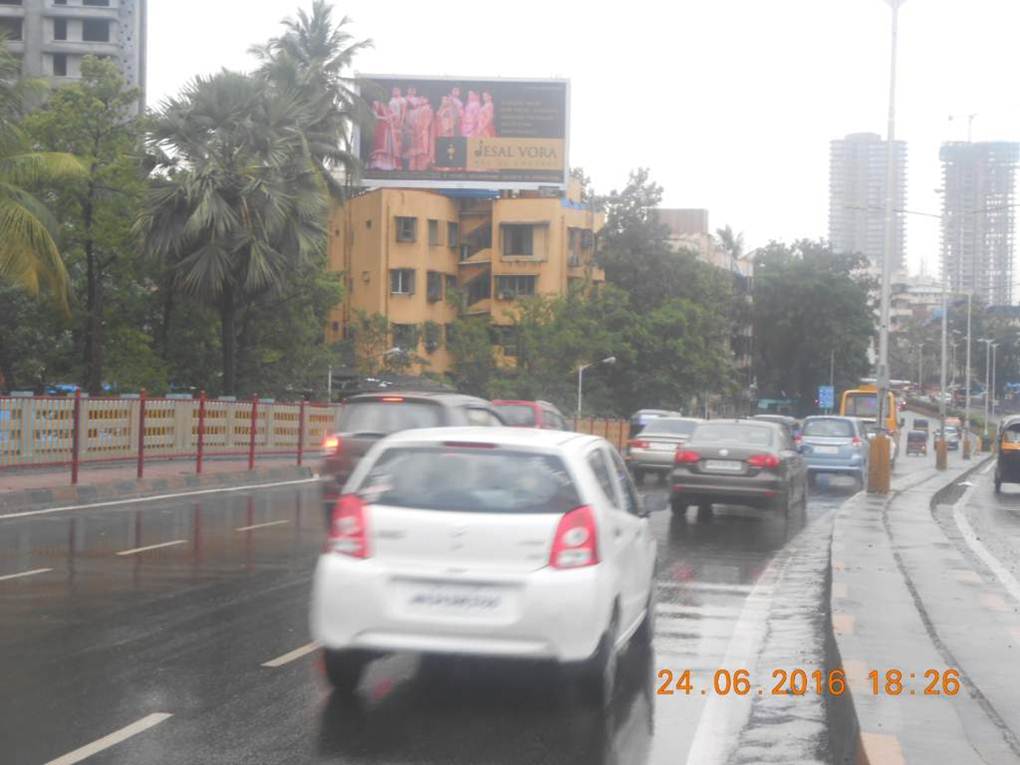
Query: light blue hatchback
[[836, 445]]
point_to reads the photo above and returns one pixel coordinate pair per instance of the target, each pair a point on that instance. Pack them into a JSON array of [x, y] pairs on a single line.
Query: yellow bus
[[862, 401]]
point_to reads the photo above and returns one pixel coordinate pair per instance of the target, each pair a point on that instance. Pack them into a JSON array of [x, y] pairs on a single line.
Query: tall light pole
[[995, 353], [890, 223], [580, 379], [988, 375], [920, 368], [966, 380]]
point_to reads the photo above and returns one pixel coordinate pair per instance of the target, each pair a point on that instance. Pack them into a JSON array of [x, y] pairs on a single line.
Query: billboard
[[448, 132]]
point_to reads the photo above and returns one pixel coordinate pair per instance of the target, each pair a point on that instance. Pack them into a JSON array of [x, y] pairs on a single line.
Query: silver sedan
[[653, 450]]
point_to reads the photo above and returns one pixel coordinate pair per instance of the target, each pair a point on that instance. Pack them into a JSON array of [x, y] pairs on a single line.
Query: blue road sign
[[826, 397]]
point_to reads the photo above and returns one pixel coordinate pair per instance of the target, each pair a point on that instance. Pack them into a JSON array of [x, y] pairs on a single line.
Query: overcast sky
[[731, 103]]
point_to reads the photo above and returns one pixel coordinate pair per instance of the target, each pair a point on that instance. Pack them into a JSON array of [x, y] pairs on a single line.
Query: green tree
[[238, 204], [313, 59], [29, 257], [810, 303], [93, 119]]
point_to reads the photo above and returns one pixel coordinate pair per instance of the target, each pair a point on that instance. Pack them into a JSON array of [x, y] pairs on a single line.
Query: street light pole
[[940, 442], [995, 353], [988, 377], [966, 381], [890, 224], [580, 380]]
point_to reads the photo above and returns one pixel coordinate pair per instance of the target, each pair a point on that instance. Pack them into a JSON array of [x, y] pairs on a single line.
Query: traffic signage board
[[826, 397]]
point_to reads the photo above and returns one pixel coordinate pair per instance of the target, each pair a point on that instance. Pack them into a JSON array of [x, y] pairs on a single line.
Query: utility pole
[[832, 375], [966, 380]]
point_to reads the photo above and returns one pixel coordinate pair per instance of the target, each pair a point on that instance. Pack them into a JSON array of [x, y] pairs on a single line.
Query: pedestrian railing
[[46, 431], [614, 431]]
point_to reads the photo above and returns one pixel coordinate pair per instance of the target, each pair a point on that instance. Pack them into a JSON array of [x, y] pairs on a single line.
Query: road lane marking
[[741, 589], [261, 526], [153, 547], [988, 469], [156, 497], [994, 564], [33, 572], [113, 739], [294, 655]]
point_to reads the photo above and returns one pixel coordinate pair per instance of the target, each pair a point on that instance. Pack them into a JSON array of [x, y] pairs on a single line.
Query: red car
[[531, 414]]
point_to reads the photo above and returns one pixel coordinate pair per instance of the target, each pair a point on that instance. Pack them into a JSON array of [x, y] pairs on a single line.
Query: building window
[[479, 288], [405, 336], [433, 332], [11, 29], [434, 286], [518, 240], [510, 287], [407, 229], [336, 327], [402, 281], [433, 233], [60, 65], [506, 339], [451, 284], [59, 29], [452, 235], [448, 332], [95, 30]]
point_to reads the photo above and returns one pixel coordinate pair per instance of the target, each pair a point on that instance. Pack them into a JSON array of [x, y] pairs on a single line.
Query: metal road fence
[[45, 431], [615, 431]]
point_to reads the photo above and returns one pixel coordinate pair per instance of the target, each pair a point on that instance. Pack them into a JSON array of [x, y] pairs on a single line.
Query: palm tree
[[238, 202], [29, 257], [731, 242], [312, 58]]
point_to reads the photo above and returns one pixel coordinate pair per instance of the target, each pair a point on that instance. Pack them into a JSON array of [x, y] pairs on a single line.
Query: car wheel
[[639, 476], [678, 507], [343, 669], [705, 511], [646, 630], [598, 675], [998, 485]]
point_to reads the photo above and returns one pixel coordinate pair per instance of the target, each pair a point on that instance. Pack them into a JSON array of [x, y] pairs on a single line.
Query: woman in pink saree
[[423, 146], [385, 154], [469, 126], [486, 127]]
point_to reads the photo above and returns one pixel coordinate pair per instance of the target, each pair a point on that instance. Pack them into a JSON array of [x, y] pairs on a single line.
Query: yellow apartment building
[[403, 250]]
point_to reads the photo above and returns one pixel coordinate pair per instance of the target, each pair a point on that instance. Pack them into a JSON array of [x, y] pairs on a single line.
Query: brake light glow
[[348, 529], [856, 440], [392, 399], [331, 444], [637, 444], [686, 457], [575, 544], [767, 461]]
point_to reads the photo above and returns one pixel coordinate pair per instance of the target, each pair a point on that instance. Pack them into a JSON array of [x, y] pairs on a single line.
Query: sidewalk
[[905, 598], [33, 489]]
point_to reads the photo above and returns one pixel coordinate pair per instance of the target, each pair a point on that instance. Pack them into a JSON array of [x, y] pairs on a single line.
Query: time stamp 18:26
[[801, 682]]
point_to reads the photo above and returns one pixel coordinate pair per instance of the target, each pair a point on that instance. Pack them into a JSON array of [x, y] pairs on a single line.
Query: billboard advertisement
[[446, 132]]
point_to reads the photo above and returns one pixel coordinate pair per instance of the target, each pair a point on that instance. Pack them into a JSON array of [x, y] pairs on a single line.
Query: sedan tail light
[[855, 441], [767, 461], [686, 457], [332, 444], [636, 443], [348, 529], [575, 544]]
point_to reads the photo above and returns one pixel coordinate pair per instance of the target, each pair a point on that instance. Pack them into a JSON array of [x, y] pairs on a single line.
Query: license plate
[[825, 449], [724, 466], [466, 600], [664, 447]]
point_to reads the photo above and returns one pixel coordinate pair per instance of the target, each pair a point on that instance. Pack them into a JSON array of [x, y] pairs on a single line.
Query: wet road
[[197, 609]]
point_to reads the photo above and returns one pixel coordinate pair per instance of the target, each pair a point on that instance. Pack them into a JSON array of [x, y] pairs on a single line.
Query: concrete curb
[[87, 494]]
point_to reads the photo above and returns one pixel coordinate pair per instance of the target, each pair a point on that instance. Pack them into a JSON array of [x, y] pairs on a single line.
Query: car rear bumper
[[754, 491], [548, 614], [651, 459]]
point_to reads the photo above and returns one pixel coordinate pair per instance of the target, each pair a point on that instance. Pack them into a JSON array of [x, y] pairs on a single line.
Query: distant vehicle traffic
[[487, 541], [790, 423], [1007, 462], [952, 437], [654, 449], [531, 414], [369, 417], [921, 424], [862, 402], [739, 462], [917, 442], [835, 445]]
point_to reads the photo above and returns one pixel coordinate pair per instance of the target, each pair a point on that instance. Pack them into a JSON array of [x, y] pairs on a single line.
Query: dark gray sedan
[[739, 462]]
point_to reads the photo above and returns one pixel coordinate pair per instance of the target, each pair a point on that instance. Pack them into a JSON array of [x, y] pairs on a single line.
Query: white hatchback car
[[506, 542]]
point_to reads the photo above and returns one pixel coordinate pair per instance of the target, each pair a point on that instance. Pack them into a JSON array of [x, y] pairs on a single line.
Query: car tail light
[[575, 544], [855, 441], [686, 457], [767, 461], [348, 529], [636, 443], [331, 444]]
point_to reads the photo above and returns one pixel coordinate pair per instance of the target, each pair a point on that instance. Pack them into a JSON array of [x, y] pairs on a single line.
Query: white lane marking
[[718, 612], [294, 655], [153, 547], [989, 468], [157, 497], [742, 589], [994, 564], [33, 572], [723, 716], [112, 740], [261, 526]]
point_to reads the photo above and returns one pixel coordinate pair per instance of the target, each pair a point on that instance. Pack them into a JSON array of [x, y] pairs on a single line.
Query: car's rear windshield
[[862, 405], [470, 479], [520, 415], [669, 427], [831, 428], [735, 433], [384, 417]]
